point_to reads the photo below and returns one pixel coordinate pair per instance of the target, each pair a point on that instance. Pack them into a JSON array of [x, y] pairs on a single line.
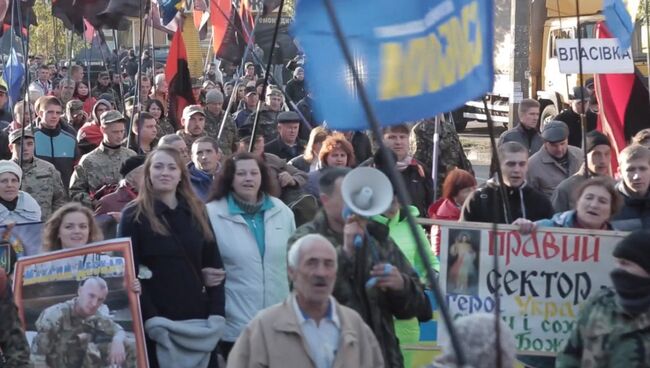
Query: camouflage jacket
[[606, 336], [188, 138], [229, 134], [376, 307], [164, 127], [450, 150], [66, 340], [97, 168], [13, 345], [267, 124], [43, 181]]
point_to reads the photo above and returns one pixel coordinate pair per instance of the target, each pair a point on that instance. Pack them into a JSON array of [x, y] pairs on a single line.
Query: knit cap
[[635, 248], [596, 138], [12, 167]]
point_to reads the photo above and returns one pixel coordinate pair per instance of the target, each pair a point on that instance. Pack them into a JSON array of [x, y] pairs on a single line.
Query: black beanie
[[130, 164], [635, 248], [595, 138]]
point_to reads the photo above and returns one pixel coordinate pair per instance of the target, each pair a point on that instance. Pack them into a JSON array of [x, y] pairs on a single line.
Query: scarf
[[633, 292], [403, 164], [248, 207]]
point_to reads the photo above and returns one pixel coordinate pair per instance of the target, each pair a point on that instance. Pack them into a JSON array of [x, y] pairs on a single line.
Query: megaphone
[[367, 191]]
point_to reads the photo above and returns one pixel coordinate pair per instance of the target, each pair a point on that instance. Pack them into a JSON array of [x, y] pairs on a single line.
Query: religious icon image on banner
[[463, 261]]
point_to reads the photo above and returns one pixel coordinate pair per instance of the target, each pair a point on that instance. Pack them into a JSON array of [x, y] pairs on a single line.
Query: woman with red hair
[[457, 186], [336, 151]]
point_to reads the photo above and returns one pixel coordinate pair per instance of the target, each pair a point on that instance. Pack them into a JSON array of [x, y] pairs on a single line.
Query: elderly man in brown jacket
[[310, 329]]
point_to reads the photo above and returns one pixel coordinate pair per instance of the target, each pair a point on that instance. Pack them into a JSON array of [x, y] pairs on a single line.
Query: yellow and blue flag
[[619, 22], [416, 58], [13, 76]]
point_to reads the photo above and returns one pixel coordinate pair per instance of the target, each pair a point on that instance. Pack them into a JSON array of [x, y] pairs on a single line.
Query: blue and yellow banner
[[416, 58]]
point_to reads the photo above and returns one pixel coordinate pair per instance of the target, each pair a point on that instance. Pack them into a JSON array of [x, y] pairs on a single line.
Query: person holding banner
[[597, 202], [613, 328], [71, 226]]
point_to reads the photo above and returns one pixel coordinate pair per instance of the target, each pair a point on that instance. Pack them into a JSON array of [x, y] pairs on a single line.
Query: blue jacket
[[201, 181], [563, 219], [58, 147]]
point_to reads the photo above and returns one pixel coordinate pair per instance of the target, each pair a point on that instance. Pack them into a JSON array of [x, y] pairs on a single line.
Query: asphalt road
[[477, 131]]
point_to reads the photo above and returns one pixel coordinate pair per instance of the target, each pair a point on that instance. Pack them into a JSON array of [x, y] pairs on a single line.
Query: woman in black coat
[[174, 248]]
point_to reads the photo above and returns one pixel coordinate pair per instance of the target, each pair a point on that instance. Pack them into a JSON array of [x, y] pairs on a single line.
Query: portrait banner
[[542, 280], [78, 308]]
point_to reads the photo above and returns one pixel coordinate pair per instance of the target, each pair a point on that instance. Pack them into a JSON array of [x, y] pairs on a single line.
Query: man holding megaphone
[[374, 277]]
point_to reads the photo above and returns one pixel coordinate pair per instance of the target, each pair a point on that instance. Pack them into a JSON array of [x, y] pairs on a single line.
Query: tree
[[50, 38]]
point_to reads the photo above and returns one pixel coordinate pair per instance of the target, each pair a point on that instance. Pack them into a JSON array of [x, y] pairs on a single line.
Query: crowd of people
[[258, 234]]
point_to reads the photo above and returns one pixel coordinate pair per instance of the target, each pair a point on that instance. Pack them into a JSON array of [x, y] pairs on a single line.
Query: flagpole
[[27, 77], [138, 93], [402, 193], [266, 75], [583, 119], [117, 71], [647, 42]]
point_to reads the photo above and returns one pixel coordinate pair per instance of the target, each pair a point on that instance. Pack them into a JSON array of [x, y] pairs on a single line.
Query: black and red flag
[[623, 104], [21, 15], [177, 74]]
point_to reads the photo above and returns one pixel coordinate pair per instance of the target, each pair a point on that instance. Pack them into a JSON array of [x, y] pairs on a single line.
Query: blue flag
[[14, 75], [618, 21], [416, 58]]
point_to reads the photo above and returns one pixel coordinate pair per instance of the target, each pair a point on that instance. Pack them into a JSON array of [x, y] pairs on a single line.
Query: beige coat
[[545, 174], [274, 339]]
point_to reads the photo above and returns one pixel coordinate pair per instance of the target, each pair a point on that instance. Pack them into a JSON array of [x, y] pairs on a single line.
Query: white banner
[[543, 278], [599, 56]]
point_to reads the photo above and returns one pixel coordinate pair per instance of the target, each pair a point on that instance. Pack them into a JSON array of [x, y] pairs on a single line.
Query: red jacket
[[442, 209]]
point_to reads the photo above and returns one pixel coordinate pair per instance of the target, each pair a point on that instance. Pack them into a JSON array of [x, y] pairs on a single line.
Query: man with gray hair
[[310, 328], [178, 143]]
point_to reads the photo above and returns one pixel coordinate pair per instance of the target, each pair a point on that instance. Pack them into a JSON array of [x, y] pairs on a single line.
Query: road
[[479, 154]]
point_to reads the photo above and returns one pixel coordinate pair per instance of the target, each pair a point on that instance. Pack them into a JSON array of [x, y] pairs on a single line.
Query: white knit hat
[[12, 167]]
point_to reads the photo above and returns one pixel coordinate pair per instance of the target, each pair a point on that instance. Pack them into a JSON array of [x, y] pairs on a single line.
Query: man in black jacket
[[286, 145], [486, 204]]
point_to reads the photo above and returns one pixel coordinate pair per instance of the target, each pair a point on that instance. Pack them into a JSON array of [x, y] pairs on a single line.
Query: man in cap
[[598, 164], [267, 122], [274, 339], [89, 135], [196, 89], [55, 139], [193, 121], [612, 328], [571, 116], [40, 178], [250, 104], [296, 88], [14, 350], [555, 161], [102, 165], [286, 145], [214, 116], [103, 85]]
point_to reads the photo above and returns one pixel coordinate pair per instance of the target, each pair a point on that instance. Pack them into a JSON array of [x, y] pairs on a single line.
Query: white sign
[[599, 56]]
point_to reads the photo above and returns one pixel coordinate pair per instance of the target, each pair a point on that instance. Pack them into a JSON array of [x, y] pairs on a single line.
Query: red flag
[[89, 31], [177, 74], [220, 11], [623, 104]]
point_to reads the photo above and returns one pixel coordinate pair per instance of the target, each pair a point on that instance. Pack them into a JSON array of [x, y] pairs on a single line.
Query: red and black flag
[[247, 20], [229, 40], [20, 15], [99, 13], [623, 104], [177, 73]]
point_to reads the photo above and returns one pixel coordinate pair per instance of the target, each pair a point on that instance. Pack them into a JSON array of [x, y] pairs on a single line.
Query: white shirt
[[322, 339]]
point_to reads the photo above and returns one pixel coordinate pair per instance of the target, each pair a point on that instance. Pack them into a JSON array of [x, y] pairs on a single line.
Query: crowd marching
[[261, 238]]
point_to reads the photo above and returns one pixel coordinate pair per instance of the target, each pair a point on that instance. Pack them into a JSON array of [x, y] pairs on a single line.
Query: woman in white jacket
[[15, 205], [252, 229]]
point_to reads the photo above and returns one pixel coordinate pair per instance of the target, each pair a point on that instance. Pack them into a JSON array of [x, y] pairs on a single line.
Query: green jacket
[[376, 307], [606, 336]]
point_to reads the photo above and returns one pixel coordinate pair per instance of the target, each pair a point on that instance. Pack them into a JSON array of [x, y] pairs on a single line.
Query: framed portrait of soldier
[[79, 308]]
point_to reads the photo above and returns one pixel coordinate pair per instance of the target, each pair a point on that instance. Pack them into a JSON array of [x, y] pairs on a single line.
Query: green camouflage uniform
[[66, 340], [189, 139], [378, 308], [43, 181], [229, 134], [13, 345], [606, 336], [450, 151], [97, 168], [164, 127], [267, 125]]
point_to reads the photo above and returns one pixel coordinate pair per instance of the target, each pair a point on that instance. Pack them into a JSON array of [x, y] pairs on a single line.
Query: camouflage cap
[[191, 110], [273, 91], [110, 117], [19, 133]]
